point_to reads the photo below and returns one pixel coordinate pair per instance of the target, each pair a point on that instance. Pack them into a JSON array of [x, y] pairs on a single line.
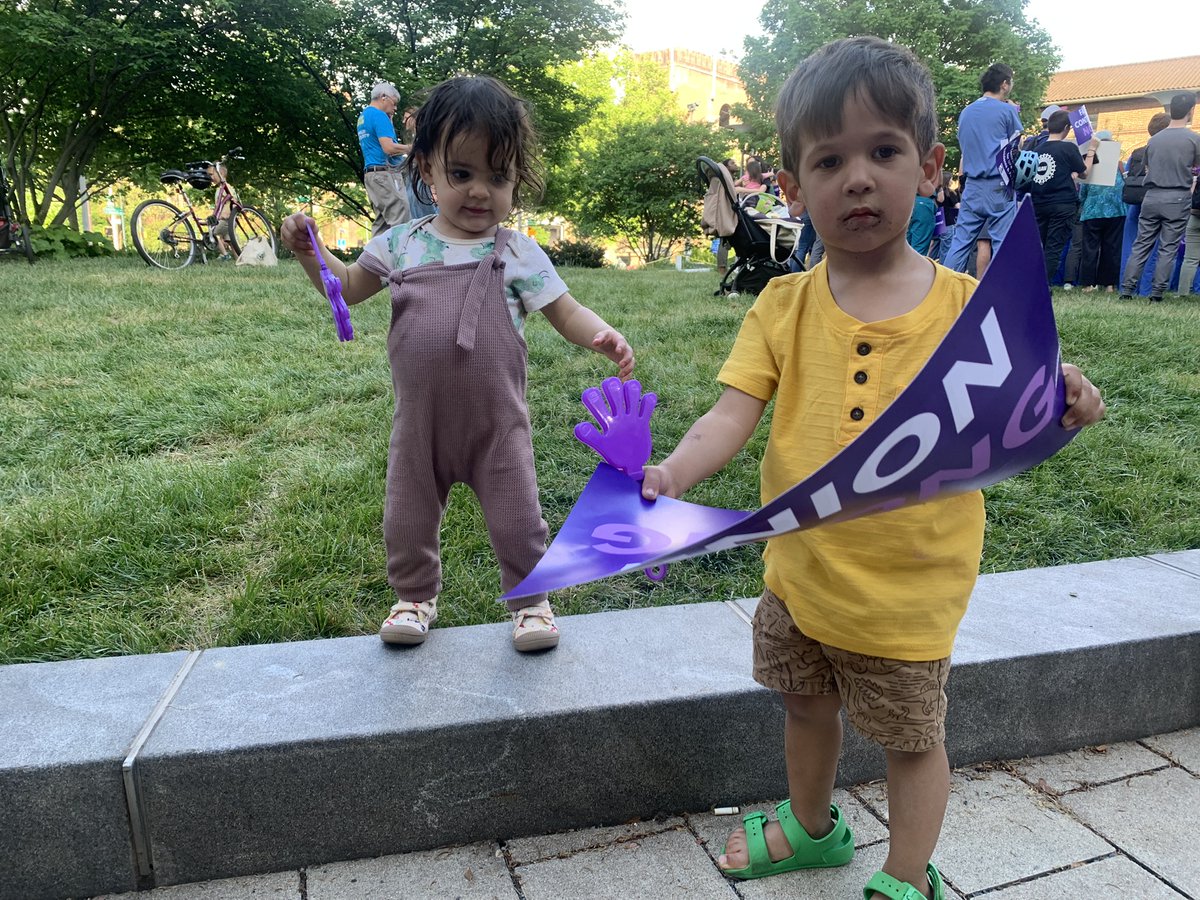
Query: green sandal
[[885, 884], [835, 849]]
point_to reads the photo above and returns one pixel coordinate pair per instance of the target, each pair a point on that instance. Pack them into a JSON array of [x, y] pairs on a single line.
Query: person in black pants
[[1055, 196], [1102, 215]]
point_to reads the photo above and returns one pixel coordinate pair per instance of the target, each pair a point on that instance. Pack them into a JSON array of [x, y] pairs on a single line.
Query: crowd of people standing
[[1087, 227], [1071, 208]]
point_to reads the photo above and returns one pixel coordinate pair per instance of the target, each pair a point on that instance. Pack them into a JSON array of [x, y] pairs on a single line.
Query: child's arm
[[582, 327], [1085, 406], [357, 283], [714, 439]]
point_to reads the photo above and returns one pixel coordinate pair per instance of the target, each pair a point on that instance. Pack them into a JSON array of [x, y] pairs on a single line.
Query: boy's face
[[859, 184]]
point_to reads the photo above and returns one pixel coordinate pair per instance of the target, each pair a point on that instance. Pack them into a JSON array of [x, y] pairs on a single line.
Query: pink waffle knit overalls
[[459, 372]]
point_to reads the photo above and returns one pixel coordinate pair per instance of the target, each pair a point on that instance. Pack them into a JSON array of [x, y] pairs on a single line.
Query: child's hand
[[294, 234], [657, 480], [613, 345], [1085, 406]]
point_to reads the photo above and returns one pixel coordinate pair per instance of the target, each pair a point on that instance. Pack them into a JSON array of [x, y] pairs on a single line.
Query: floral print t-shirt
[[530, 281]]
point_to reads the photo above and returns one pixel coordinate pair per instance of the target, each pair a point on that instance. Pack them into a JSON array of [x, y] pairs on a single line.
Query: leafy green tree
[[123, 88], [957, 39], [640, 184], [631, 173]]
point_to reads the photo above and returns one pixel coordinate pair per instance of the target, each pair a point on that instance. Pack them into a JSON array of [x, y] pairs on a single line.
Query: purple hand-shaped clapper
[[333, 290], [623, 439]]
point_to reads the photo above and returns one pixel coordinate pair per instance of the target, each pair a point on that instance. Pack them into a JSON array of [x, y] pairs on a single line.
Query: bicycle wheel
[[249, 223], [163, 235]]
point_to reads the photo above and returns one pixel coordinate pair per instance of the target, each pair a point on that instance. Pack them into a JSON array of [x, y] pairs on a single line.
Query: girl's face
[[472, 197]]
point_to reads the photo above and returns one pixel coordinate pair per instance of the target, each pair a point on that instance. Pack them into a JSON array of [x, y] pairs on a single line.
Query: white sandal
[[534, 628], [408, 623]]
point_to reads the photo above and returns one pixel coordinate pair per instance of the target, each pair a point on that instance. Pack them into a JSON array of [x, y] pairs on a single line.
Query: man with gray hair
[[1171, 160], [382, 158]]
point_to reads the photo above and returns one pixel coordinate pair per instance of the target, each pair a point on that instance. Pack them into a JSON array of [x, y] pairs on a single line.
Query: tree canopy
[[124, 88], [957, 39], [631, 173]]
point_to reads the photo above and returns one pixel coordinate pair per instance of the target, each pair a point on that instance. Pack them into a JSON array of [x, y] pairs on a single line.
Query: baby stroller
[[14, 233], [762, 242]]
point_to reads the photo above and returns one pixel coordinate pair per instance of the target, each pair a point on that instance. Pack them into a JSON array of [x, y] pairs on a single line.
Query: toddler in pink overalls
[[461, 288]]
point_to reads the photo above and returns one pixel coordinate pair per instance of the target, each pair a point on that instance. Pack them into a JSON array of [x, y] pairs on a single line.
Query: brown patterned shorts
[[897, 703]]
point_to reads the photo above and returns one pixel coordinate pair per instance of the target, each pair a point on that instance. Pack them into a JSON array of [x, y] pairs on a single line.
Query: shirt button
[[856, 414], [860, 377], [864, 348]]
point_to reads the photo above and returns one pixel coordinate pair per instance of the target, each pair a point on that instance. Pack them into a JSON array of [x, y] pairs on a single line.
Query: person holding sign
[[1102, 215], [1054, 192], [859, 613]]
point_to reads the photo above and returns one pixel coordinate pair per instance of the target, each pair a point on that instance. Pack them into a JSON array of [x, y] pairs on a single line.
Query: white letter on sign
[[924, 427], [964, 373], [781, 523], [652, 541]]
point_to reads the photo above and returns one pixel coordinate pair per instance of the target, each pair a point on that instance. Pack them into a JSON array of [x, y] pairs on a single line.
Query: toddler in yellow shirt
[[863, 613]]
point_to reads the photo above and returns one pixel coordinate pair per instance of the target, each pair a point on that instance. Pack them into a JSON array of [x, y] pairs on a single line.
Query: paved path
[[1115, 821]]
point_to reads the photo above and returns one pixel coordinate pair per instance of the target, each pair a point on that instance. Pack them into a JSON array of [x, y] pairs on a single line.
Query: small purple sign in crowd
[[987, 405], [1081, 122]]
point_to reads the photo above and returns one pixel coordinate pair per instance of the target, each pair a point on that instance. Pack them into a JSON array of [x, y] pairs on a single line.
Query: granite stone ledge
[[65, 729], [278, 756]]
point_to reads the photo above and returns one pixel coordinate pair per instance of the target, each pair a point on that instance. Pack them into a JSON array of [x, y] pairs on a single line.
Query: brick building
[[1123, 98], [704, 86]]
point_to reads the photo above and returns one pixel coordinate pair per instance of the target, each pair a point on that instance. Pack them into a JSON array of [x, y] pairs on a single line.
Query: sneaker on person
[[534, 627], [1068, 286], [408, 623]]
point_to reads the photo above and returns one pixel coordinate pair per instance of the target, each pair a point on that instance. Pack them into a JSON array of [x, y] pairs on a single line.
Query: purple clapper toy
[[623, 439], [333, 290]]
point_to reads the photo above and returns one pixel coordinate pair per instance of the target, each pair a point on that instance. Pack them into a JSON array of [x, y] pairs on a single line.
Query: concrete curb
[[165, 769]]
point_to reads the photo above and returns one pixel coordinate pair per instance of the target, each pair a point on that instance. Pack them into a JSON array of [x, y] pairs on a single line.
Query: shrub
[[349, 255], [584, 254], [61, 242]]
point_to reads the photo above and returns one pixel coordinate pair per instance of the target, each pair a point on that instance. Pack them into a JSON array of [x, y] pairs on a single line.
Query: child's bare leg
[[918, 790], [812, 745]]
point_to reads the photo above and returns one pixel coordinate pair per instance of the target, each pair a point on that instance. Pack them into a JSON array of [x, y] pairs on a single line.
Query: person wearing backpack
[[1134, 192]]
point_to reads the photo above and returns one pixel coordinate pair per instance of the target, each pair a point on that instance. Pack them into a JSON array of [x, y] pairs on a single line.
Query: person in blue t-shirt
[[986, 209], [382, 156]]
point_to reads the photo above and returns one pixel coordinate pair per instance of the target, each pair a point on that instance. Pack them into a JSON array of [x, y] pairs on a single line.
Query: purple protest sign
[[1006, 162], [986, 406], [611, 527], [1082, 123], [939, 222]]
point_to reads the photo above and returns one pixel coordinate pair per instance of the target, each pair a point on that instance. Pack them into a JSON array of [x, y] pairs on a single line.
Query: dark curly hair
[[484, 106]]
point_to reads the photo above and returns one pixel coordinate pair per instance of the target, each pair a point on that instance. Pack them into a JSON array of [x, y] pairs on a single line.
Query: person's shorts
[[896, 703], [223, 228]]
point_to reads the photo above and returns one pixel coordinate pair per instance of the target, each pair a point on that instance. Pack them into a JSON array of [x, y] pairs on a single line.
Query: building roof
[[1129, 80]]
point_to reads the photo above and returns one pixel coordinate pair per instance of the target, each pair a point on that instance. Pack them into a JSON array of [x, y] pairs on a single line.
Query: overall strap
[[396, 276], [480, 284]]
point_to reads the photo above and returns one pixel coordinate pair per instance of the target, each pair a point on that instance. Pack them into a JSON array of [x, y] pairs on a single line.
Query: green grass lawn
[[191, 459]]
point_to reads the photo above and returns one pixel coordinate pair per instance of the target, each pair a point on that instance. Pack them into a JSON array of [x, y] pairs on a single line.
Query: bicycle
[[170, 237], [14, 232]]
